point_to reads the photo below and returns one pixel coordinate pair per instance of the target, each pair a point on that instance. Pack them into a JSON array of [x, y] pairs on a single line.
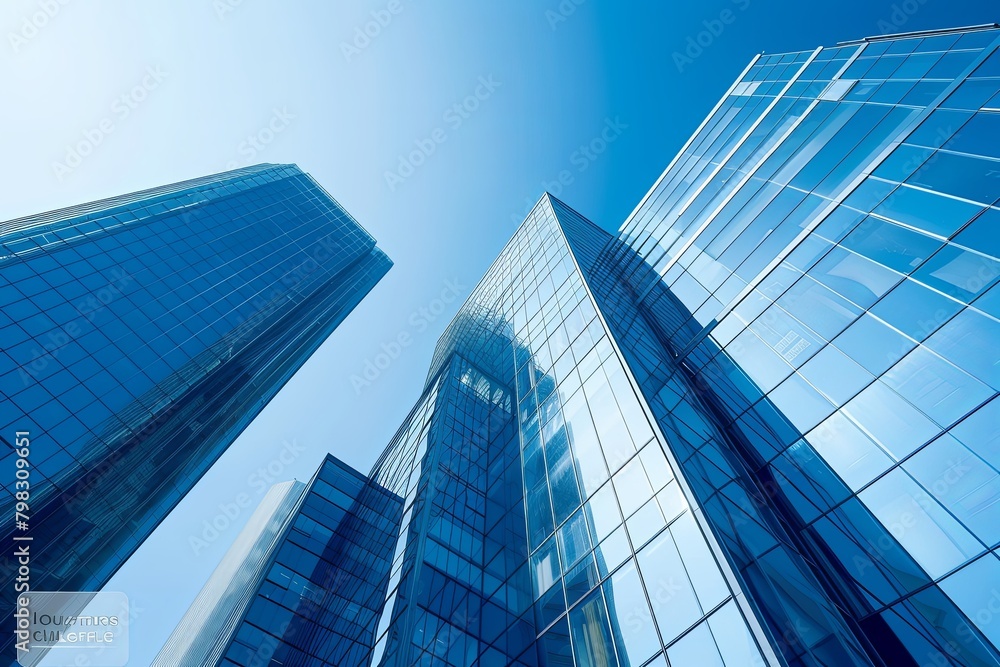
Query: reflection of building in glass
[[758, 426], [141, 335]]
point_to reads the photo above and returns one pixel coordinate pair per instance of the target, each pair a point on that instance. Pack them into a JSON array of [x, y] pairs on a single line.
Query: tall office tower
[[143, 333], [301, 583], [758, 426], [228, 592]]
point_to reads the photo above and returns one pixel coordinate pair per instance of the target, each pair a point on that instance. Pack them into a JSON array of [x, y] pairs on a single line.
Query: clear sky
[[173, 90]]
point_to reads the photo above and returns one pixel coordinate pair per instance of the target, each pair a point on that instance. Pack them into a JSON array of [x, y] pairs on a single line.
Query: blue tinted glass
[[696, 648], [630, 613], [927, 211], [890, 245], [592, 643], [959, 273], [966, 587], [960, 175], [961, 481], [915, 310], [675, 604], [932, 537]]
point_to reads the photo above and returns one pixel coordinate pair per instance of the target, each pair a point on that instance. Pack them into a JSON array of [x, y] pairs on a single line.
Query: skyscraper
[[143, 333], [757, 426], [198, 638]]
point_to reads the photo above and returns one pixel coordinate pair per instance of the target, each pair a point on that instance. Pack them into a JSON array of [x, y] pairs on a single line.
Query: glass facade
[[817, 270], [758, 426], [317, 598], [221, 603], [141, 335]]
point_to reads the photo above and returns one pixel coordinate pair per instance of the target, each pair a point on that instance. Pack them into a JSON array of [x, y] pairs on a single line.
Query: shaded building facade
[[757, 426], [143, 333]]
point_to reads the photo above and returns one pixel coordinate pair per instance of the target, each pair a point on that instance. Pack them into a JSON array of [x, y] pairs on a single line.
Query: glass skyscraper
[[197, 640], [758, 426], [142, 334]]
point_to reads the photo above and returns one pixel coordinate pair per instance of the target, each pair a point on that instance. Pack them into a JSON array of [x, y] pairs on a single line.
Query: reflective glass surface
[[142, 334], [756, 426]]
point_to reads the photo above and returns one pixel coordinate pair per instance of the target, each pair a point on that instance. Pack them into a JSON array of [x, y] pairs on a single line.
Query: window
[[931, 535]]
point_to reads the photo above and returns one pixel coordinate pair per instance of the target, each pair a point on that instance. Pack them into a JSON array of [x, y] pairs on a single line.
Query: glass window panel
[[701, 566], [891, 92], [592, 643], [822, 310], [632, 487], [785, 334], [990, 68], [545, 567], [604, 512], [555, 647], [938, 388], [851, 454], [916, 66], [968, 341], [655, 464], [696, 649], [915, 310], [979, 602], [924, 93], [892, 421], [902, 162], [989, 303], [613, 551], [562, 476], [978, 136], [800, 403], [580, 580], [978, 432], [891, 245], [927, 211], [675, 605], [932, 536], [534, 463], [539, 514], [960, 273], [972, 94], [645, 523], [586, 447], [672, 501], [836, 375], [854, 277], [940, 126], [574, 539], [961, 481], [960, 175], [951, 65], [982, 234], [758, 360], [611, 430], [629, 609], [733, 637]]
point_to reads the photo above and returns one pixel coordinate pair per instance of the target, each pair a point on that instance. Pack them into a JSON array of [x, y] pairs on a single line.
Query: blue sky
[[589, 99]]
